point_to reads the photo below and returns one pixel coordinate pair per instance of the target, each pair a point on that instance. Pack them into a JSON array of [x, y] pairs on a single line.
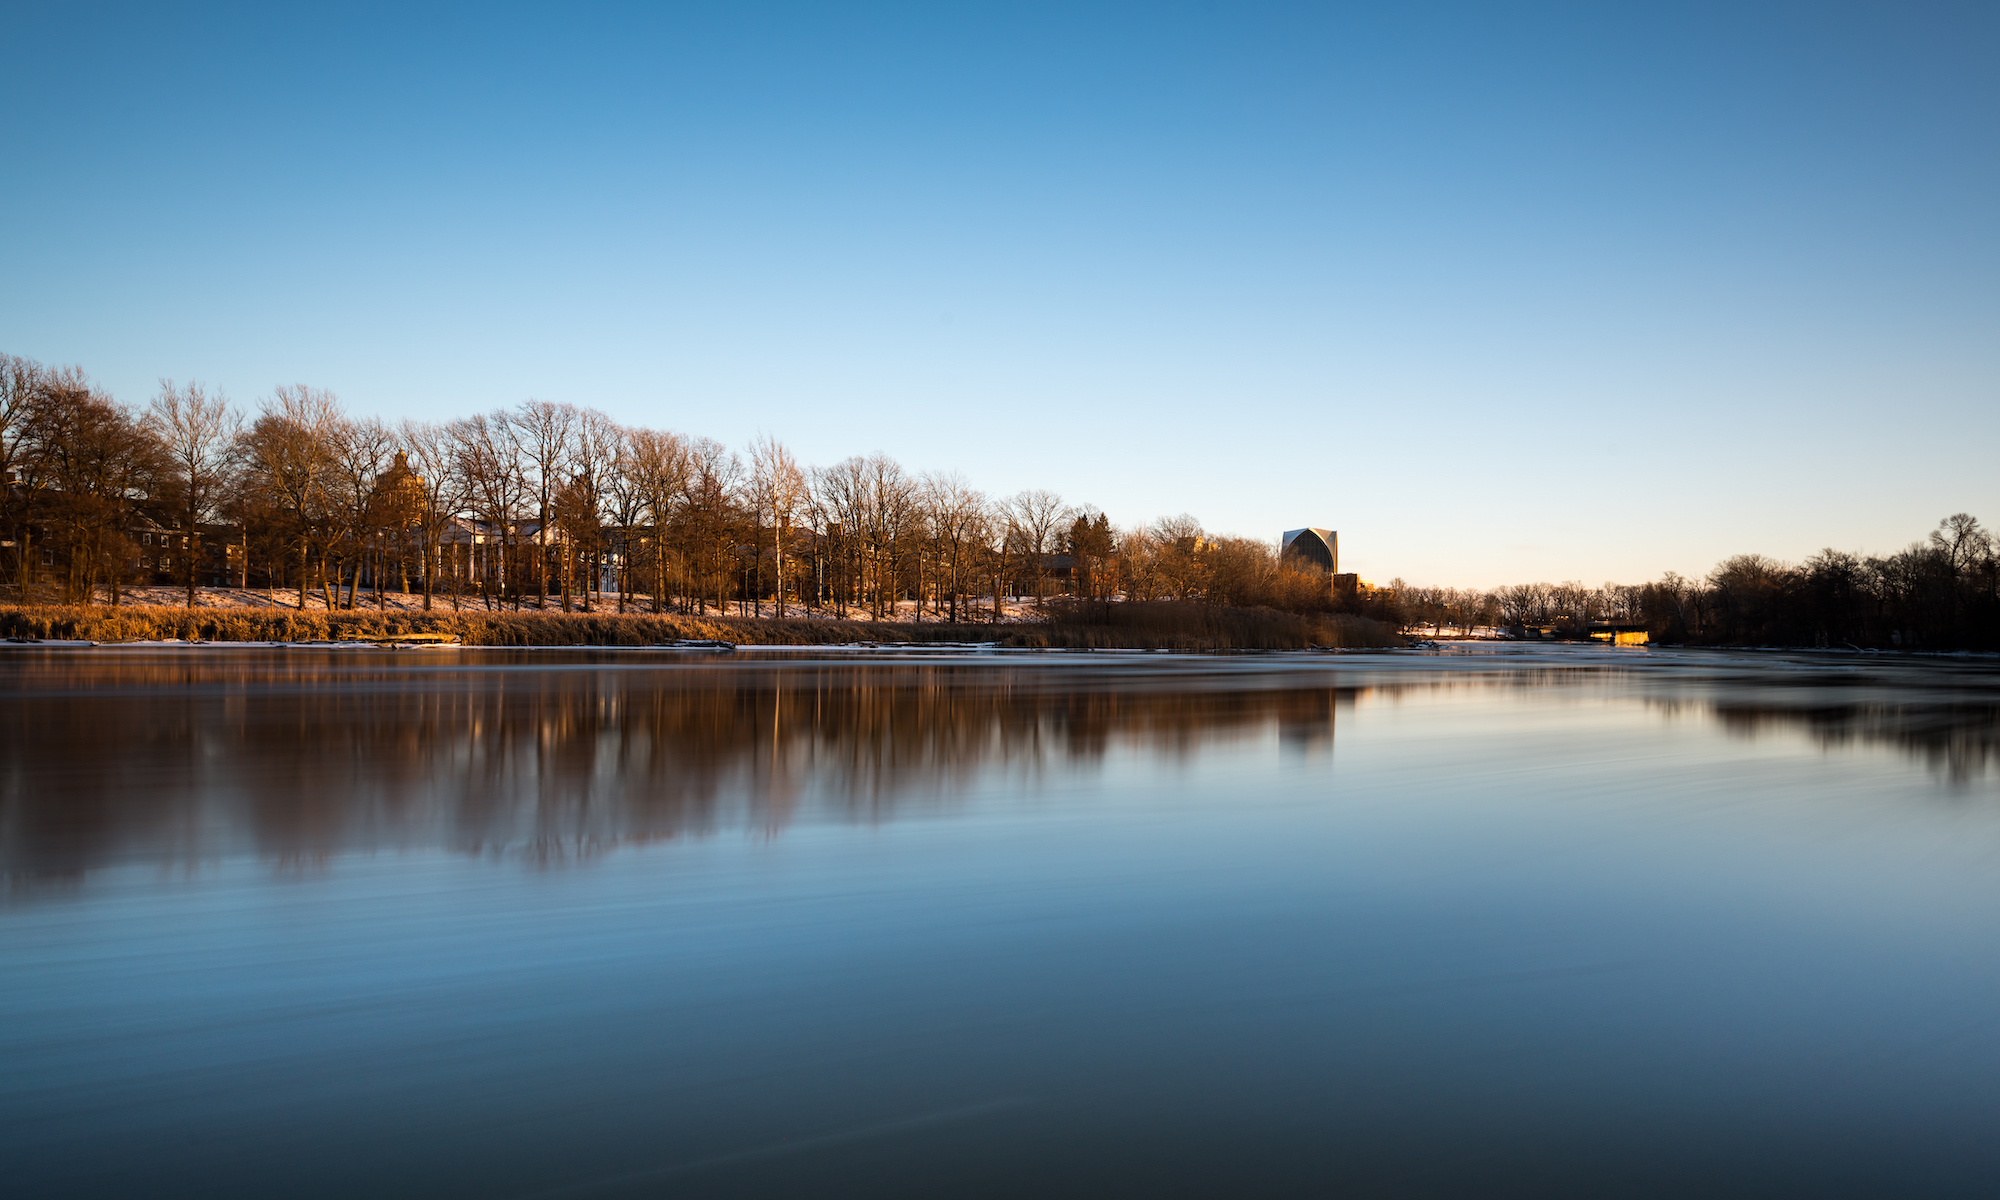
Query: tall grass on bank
[[1190, 625], [1162, 625], [132, 623]]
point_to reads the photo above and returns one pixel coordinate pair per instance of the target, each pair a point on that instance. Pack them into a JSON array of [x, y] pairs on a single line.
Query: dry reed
[[1163, 625], [1190, 625]]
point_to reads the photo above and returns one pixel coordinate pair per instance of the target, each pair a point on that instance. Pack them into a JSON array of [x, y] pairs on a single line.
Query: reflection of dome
[[1320, 547]]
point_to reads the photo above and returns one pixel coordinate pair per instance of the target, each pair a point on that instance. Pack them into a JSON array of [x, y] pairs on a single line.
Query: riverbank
[[1012, 608], [1155, 626]]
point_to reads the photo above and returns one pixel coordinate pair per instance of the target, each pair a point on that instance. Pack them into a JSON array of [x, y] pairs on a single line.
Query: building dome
[[1321, 547]]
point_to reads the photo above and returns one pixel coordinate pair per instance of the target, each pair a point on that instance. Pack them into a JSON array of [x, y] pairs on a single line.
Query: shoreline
[[1166, 626]]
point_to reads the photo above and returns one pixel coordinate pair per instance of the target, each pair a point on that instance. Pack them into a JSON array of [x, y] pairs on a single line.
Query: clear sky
[[1501, 293]]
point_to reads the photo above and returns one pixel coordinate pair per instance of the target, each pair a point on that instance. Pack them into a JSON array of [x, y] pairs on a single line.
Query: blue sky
[[1500, 293]]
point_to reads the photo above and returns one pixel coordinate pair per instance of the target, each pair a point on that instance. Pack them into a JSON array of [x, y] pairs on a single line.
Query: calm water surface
[[520, 924]]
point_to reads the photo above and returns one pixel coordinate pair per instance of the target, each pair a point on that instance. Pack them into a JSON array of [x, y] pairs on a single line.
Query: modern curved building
[[1318, 546]]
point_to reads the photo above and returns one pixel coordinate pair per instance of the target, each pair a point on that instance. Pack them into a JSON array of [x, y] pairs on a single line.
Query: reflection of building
[[1320, 547], [1306, 725]]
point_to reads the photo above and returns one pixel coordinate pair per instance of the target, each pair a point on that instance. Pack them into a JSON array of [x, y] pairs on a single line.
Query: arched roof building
[[1318, 546]]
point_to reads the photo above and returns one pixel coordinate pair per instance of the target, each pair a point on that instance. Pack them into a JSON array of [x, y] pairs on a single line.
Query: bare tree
[[710, 517], [489, 459], [546, 433], [19, 378], [1525, 603], [1181, 560], [362, 521], [839, 499], [197, 433], [289, 456], [577, 514], [958, 516], [1962, 542], [1427, 602], [579, 511], [444, 492], [656, 469], [95, 460], [626, 508], [1037, 513], [779, 488], [1674, 588], [20, 383], [887, 511]]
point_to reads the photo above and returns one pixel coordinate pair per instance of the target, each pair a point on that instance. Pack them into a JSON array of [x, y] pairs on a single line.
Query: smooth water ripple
[[1511, 920]]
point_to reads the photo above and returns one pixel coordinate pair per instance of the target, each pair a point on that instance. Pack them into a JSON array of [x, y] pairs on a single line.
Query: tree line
[[1938, 593], [547, 504]]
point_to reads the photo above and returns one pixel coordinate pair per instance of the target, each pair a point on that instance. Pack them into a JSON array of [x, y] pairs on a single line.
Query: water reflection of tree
[[298, 757], [1958, 739]]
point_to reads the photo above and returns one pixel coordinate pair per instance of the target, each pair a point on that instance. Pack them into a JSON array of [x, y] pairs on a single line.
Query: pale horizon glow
[[1502, 296]]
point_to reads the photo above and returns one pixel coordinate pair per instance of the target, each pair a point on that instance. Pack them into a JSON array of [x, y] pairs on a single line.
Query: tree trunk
[[542, 561]]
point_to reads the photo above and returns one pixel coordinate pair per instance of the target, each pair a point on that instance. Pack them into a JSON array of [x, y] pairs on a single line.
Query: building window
[[147, 538]]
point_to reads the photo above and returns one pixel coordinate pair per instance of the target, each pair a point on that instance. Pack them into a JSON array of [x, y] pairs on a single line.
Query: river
[[1497, 920]]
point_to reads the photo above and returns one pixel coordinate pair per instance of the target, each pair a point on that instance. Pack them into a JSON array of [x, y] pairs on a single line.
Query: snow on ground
[[212, 597], [1012, 609]]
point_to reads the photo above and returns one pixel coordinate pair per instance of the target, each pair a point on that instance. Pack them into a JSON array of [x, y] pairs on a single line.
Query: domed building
[[399, 497], [1321, 547]]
